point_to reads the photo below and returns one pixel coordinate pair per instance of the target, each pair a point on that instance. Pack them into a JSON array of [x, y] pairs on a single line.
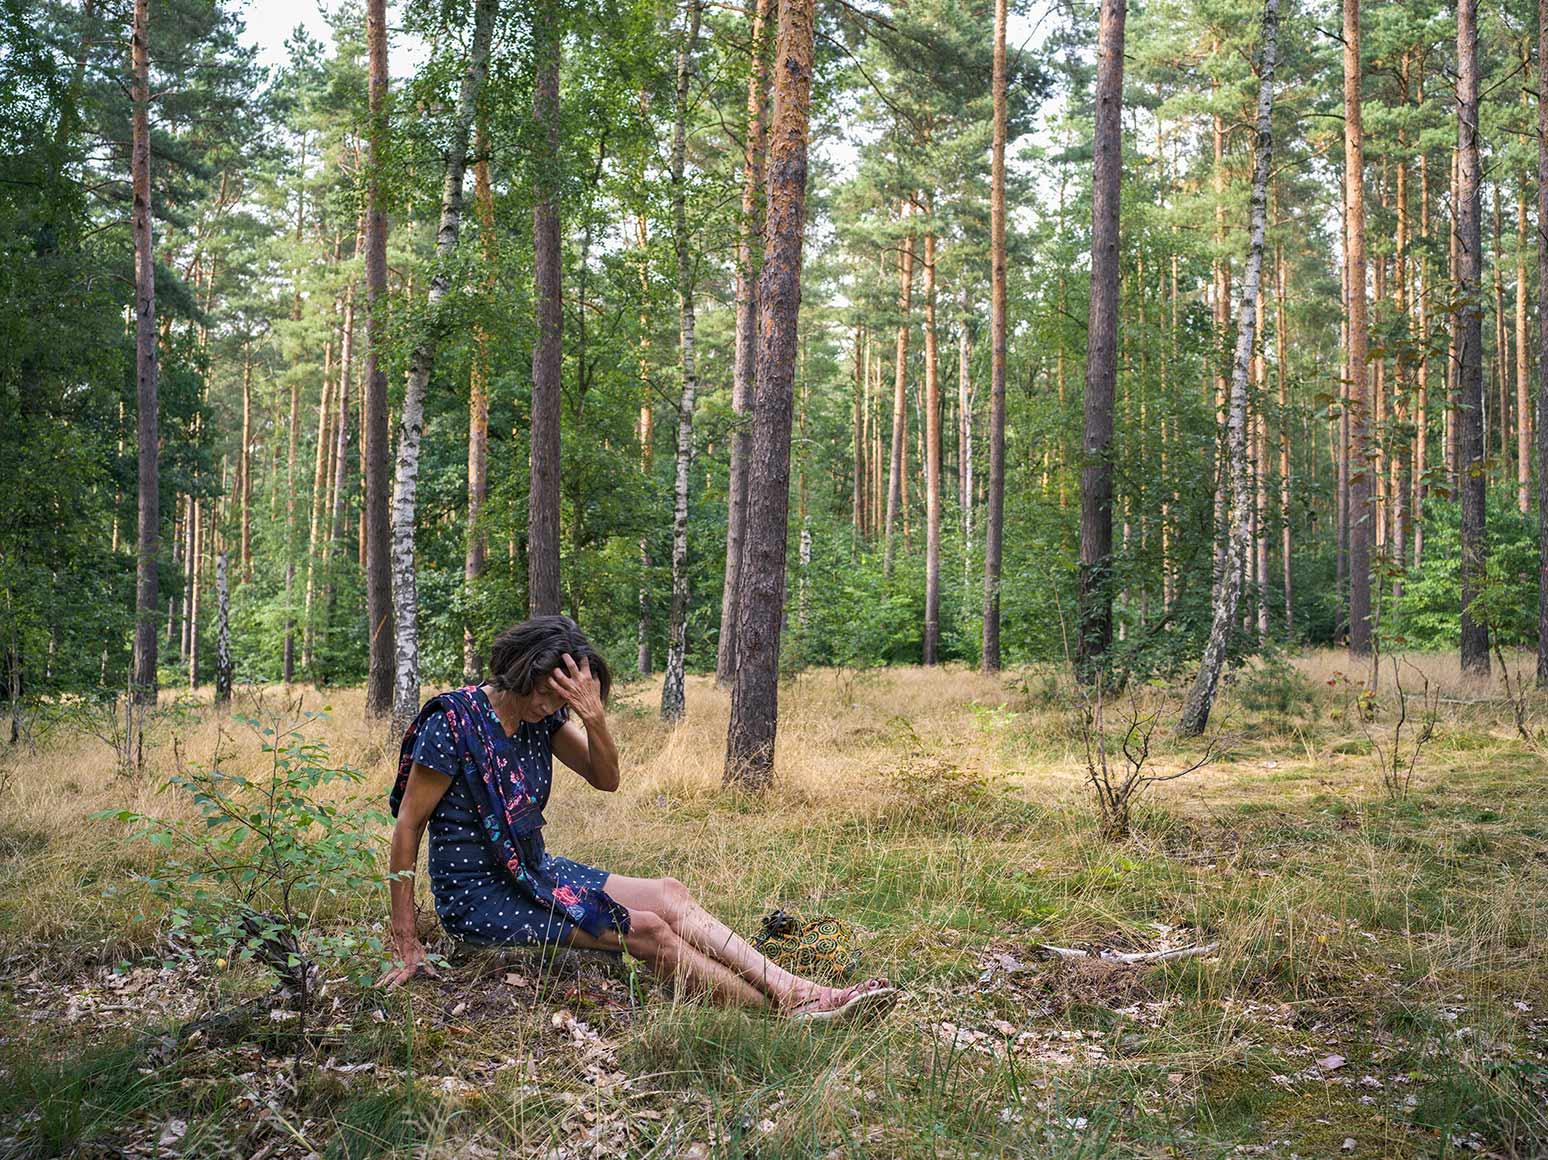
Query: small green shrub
[[249, 881]]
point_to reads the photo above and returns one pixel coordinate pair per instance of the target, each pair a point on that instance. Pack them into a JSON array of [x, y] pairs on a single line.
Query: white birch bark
[[1201, 697], [672, 699], [405, 593]]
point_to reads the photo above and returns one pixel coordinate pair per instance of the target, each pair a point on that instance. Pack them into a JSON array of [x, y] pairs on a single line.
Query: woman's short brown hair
[[523, 655]]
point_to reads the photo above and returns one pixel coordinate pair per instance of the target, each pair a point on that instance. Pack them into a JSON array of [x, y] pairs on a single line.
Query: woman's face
[[541, 702]]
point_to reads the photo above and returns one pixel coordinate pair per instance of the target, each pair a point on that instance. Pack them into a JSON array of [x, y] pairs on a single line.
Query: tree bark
[[932, 456], [1281, 345], [1469, 326], [896, 484], [245, 462], [1201, 698], [146, 404], [1094, 633], [478, 400], [761, 602], [222, 633], [1359, 466], [543, 597], [750, 229], [994, 518], [672, 702], [377, 528], [1542, 346], [1523, 358], [405, 588], [857, 492]]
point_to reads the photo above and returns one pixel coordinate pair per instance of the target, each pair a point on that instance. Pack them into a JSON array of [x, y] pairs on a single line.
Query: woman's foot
[[811, 1001]]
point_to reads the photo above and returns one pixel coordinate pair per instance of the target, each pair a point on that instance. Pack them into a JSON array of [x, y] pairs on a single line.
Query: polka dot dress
[[474, 895]]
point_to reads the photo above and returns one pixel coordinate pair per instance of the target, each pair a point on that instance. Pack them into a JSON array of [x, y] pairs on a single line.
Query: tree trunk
[[315, 533], [1094, 633], [195, 575], [405, 588], [761, 602], [1523, 359], [1469, 326], [478, 399], [750, 230], [896, 485], [222, 633], [994, 519], [932, 456], [543, 598], [1201, 697], [857, 492], [1359, 465], [147, 438], [1542, 346], [245, 463], [646, 430], [1282, 351], [677, 622], [377, 529]]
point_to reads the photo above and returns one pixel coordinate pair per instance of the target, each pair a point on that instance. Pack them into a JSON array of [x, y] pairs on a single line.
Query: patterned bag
[[822, 948]]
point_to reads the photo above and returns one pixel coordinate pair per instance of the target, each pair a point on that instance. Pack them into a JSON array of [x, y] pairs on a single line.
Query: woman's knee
[[674, 896], [650, 935]]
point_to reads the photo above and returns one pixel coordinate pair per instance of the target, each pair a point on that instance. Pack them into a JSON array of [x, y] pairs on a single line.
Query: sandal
[[873, 997]]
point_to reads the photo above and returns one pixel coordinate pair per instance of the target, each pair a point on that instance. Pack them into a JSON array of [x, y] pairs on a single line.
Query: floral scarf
[[510, 808]]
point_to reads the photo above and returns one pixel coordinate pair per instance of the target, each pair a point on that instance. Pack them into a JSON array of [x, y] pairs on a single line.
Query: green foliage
[[1427, 615], [267, 857]]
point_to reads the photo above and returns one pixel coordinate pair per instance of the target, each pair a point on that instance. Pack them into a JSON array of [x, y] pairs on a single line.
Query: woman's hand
[[581, 690], [411, 959]]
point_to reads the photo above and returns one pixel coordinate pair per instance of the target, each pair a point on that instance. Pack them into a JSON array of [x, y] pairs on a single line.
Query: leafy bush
[[1427, 615], [249, 881]]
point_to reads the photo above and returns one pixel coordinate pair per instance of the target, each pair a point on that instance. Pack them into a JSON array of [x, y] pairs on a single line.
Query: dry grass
[[945, 812]]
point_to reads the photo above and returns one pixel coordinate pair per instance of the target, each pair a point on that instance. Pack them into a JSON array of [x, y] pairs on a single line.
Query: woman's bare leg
[[701, 930], [652, 939]]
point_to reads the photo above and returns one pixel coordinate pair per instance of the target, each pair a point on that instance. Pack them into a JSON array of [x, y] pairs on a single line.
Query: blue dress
[[474, 895]]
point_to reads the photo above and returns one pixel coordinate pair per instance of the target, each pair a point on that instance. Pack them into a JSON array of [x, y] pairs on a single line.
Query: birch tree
[[1228, 589], [677, 622], [405, 591]]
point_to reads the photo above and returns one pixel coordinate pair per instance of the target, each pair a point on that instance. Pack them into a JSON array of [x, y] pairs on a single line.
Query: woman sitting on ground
[[476, 767]]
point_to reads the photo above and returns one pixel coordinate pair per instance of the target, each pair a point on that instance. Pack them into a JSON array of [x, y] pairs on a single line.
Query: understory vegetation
[[1379, 987]]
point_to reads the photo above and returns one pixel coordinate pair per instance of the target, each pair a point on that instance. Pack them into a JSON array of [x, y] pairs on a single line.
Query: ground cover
[[1379, 987]]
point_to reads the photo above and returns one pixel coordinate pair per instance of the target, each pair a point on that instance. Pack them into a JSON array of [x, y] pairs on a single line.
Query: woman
[[476, 767]]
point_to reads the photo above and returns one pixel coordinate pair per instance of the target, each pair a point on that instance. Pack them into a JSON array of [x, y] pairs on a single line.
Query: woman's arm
[[425, 788], [590, 752]]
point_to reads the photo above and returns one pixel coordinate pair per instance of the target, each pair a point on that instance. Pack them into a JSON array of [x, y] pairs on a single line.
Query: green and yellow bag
[[822, 948]]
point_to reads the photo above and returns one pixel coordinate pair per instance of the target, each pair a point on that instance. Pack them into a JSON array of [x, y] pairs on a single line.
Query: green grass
[[1408, 939]]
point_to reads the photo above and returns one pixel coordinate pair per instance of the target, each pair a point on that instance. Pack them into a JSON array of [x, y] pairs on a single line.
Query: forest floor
[[1380, 986]]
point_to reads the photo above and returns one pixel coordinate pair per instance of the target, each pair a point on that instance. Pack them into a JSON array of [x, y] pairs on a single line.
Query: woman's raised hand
[[580, 689]]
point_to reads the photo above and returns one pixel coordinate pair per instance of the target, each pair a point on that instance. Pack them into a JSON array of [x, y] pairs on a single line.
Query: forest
[[1061, 489]]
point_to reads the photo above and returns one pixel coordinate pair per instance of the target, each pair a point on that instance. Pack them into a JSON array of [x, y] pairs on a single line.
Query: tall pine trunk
[[1358, 467], [1201, 697], [932, 456], [478, 399], [1542, 347], [994, 518], [677, 621], [146, 405], [761, 602], [896, 484], [405, 588], [1469, 326], [377, 529], [750, 229], [1094, 631], [548, 351]]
